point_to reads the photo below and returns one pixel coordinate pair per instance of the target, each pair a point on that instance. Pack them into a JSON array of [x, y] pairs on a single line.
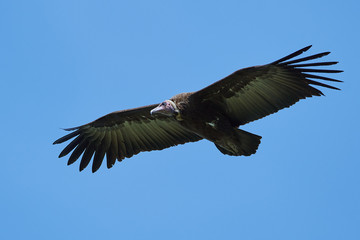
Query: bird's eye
[[163, 104]]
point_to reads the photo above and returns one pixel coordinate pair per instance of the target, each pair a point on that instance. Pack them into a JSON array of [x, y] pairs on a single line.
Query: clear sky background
[[66, 63]]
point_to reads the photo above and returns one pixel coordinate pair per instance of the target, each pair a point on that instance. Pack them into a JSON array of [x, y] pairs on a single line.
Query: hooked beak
[[166, 108], [159, 109]]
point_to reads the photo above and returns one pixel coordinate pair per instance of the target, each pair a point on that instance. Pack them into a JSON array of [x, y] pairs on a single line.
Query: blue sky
[[66, 63]]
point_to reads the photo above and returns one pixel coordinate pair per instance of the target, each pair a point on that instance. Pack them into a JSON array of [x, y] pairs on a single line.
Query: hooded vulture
[[213, 113]]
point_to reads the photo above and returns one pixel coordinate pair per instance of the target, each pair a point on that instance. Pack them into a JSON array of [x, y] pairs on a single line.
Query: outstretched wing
[[253, 93], [121, 135]]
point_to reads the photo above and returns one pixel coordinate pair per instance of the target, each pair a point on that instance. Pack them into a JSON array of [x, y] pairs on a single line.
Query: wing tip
[[68, 136], [71, 129], [306, 48], [292, 55], [61, 155]]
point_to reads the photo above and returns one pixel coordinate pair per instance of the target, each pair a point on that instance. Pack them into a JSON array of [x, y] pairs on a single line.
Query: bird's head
[[167, 108]]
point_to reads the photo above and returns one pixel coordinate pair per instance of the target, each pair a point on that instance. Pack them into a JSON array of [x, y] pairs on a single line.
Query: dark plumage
[[213, 113]]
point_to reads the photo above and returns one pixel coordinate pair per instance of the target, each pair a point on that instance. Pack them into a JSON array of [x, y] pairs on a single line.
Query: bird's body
[[213, 113], [209, 122]]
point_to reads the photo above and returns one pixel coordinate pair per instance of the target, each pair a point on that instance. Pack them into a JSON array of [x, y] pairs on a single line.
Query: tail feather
[[243, 144]]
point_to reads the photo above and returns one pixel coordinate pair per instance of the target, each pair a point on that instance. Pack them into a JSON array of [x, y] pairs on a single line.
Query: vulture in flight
[[213, 113]]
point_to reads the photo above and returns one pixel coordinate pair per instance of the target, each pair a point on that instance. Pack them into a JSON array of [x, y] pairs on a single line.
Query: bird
[[214, 113]]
